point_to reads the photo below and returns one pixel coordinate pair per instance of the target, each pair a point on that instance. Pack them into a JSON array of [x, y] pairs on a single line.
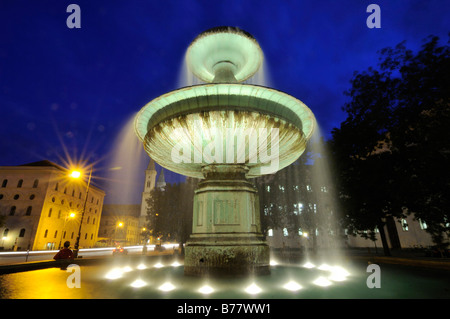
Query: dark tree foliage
[[169, 213], [393, 149]]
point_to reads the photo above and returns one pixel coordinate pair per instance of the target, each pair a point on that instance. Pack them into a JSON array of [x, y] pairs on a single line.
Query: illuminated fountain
[[225, 132]]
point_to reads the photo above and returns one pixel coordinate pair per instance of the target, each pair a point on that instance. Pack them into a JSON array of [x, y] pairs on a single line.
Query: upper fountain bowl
[[224, 54]]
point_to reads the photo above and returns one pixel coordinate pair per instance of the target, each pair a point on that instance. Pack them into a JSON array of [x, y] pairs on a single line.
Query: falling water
[[329, 240], [126, 168], [187, 78]]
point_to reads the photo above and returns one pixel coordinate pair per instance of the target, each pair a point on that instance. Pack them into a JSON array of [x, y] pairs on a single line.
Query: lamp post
[[68, 216], [77, 174], [118, 225]]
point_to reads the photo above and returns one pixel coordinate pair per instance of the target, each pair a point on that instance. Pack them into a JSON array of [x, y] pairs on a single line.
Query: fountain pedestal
[[226, 237]]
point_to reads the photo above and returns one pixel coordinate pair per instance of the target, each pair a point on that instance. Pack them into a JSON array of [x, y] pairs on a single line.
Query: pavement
[[413, 258], [13, 264]]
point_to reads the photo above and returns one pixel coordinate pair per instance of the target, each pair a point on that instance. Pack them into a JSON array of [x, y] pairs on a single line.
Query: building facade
[[120, 225], [125, 224], [42, 208]]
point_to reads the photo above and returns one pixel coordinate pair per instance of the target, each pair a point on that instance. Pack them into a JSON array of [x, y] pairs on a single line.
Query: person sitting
[[65, 253]]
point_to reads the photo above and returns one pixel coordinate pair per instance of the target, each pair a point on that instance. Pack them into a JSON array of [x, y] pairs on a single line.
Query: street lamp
[[77, 174], [119, 224]]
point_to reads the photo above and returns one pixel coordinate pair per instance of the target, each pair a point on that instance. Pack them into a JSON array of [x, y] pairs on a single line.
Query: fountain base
[[226, 237], [220, 256]]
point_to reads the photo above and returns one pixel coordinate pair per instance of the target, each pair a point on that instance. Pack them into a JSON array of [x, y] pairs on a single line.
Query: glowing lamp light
[[206, 290], [72, 215], [138, 283], [253, 289], [325, 267], [322, 281], [338, 274], [292, 286], [75, 174], [127, 269], [273, 263], [114, 273], [176, 264], [141, 266], [167, 286], [309, 265], [158, 265]]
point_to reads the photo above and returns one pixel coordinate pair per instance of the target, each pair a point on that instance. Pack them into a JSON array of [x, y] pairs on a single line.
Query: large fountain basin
[[191, 118]]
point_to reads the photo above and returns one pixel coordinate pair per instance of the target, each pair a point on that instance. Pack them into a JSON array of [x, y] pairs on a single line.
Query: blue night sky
[[69, 92]]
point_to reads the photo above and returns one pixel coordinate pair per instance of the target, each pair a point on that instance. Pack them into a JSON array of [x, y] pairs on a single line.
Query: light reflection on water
[[144, 280], [43, 284], [168, 281]]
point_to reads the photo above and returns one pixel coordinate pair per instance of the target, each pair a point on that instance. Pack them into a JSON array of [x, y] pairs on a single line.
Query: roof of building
[[44, 163], [151, 165]]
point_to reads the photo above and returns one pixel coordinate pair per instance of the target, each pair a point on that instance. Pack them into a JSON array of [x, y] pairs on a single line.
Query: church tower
[[149, 185], [161, 183]]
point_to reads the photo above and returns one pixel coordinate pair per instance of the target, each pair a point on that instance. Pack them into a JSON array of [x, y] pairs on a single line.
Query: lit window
[[270, 233], [404, 225], [300, 232], [422, 224], [308, 188], [285, 232], [324, 189]]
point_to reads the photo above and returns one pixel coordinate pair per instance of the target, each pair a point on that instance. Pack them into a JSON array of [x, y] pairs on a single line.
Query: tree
[[392, 150], [169, 213]]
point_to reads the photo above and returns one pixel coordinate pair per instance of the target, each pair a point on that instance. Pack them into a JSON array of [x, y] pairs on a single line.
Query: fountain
[[225, 132]]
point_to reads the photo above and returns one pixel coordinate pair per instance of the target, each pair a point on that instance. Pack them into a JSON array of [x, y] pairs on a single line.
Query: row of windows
[[299, 232], [22, 234], [13, 211], [65, 234], [17, 196], [323, 189], [50, 211], [20, 183], [73, 193], [71, 204], [6, 232]]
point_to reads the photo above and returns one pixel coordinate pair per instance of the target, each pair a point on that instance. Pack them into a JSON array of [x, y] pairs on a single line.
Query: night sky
[[67, 93]]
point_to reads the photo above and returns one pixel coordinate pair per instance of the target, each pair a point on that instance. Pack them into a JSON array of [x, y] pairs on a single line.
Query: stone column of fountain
[[225, 132]]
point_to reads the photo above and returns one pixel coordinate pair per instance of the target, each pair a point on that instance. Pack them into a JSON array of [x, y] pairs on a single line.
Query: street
[[15, 257]]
